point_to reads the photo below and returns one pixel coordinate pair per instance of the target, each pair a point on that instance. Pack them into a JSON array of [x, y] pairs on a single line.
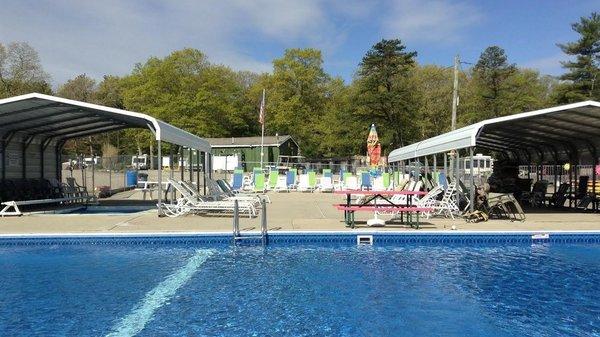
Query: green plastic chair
[[346, 176], [259, 182], [312, 180], [386, 179], [396, 179], [436, 178], [273, 176]]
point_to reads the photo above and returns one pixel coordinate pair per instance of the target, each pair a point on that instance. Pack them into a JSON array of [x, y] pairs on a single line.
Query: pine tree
[[583, 72], [492, 72]]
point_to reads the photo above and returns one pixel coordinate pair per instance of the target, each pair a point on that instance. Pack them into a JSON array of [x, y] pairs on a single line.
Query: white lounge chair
[[216, 193], [326, 185], [351, 183], [188, 203], [229, 191], [448, 205], [303, 185], [378, 184], [281, 185]]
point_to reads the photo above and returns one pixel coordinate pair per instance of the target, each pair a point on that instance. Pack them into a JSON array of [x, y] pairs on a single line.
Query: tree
[[491, 74], [384, 94], [339, 132], [21, 71], [110, 92], [296, 96], [583, 72], [184, 89], [434, 85], [81, 88]]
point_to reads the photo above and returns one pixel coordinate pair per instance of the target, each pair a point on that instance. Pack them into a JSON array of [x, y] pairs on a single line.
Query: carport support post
[[171, 170], [434, 165], [198, 171], [181, 163], [445, 165], [204, 172], [472, 189], [190, 159], [457, 177], [210, 157], [595, 203], [159, 178]]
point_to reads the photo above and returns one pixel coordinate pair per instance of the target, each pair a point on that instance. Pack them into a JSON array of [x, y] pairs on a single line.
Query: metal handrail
[[263, 224]]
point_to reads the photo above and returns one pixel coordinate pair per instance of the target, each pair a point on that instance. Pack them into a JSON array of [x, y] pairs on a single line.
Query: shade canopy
[[562, 133], [60, 119]]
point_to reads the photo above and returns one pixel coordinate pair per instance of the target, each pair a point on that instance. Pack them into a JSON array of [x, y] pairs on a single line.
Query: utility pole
[[455, 91]]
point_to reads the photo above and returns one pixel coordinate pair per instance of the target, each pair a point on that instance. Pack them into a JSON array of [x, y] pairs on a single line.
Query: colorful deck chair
[[259, 182], [238, 180], [255, 171], [312, 180], [290, 179], [442, 180], [327, 173], [365, 181], [273, 176], [386, 180]]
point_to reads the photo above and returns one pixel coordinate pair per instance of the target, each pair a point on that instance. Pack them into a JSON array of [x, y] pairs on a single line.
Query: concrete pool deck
[[287, 212]]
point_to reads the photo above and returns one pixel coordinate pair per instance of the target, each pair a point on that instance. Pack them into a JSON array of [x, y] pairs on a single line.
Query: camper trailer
[[482, 165], [141, 162]]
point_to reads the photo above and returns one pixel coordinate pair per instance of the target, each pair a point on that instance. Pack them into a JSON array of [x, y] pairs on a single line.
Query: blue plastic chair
[[290, 179], [365, 181], [443, 181], [238, 181]]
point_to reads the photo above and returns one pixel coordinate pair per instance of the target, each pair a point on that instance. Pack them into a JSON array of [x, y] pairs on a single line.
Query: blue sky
[[109, 37]]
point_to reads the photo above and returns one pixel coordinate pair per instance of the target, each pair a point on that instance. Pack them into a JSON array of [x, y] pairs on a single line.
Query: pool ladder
[[264, 235]]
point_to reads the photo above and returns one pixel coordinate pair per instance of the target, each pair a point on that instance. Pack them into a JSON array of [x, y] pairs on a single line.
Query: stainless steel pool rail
[[264, 233]]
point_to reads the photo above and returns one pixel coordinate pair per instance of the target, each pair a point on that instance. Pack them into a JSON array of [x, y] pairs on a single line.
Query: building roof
[[544, 134], [61, 119], [248, 141]]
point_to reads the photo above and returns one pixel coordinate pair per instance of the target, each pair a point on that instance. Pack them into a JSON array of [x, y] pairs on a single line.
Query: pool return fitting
[[264, 235]]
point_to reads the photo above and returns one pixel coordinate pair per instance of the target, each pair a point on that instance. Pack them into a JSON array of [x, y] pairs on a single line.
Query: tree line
[[328, 117]]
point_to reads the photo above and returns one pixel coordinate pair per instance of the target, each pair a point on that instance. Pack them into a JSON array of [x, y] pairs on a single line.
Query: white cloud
[[109, 37], [547, 65], [439, 21]]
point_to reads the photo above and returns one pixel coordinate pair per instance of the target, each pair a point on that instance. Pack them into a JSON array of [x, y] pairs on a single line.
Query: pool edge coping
[[349, 233]]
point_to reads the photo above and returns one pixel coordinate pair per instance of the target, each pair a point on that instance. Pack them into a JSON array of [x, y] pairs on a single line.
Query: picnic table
[[369, 203], [150, 186]]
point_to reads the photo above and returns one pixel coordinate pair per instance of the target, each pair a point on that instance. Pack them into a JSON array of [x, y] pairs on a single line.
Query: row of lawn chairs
[[39, 188], [451, 199], [221, 200], [566, 193], [308, 182], [30, 192]]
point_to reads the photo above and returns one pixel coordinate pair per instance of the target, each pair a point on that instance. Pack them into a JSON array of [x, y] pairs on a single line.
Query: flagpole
[[262, 136]]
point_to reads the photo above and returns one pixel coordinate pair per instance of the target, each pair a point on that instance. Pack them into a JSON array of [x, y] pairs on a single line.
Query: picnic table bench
[[369, 204]]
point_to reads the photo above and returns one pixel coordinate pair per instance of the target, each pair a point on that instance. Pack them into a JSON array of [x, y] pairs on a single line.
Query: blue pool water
[[178, 290]]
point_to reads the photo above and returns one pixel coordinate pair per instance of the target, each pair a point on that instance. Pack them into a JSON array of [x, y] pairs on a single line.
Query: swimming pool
[[161, 288]]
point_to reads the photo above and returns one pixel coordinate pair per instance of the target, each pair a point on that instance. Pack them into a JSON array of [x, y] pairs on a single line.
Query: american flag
[[261, 116]]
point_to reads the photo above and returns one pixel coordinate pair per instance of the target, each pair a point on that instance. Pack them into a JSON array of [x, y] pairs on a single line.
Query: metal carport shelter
[[35, 127], [563, 134]]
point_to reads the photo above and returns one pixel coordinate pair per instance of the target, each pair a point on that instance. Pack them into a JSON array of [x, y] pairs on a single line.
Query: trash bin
[[131, 178]]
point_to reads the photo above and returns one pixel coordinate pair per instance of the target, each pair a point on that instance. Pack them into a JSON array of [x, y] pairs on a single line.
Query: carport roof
[[61, 119], [568, 128]]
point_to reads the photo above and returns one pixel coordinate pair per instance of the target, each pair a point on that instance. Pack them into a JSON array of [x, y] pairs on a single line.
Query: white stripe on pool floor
[[137, 319]]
